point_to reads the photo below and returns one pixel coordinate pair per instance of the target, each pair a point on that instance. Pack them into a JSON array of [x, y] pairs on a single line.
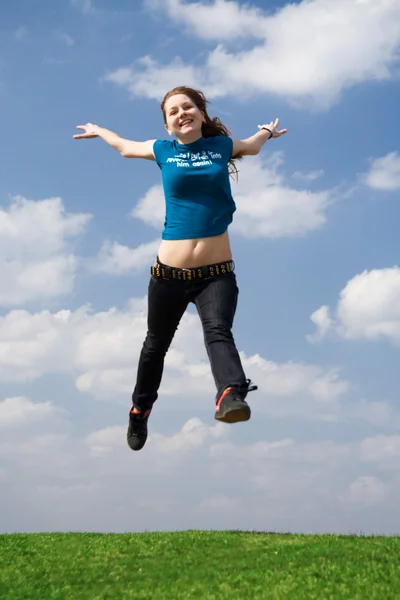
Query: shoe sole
[[235, 415]]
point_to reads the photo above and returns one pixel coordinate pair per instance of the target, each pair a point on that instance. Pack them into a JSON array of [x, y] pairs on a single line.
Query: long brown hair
[[212, 126]]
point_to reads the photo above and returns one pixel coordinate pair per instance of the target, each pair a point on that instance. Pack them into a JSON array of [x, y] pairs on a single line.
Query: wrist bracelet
[[266, 128]]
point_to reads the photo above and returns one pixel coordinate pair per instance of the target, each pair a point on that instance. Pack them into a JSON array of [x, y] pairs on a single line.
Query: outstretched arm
[[127, 148], [253, 144]]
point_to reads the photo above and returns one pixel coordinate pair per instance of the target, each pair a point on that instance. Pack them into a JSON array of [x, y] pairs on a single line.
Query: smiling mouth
[[187, 122]]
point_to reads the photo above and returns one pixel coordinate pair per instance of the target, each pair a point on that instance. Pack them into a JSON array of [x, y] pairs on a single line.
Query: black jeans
[[216, 300]]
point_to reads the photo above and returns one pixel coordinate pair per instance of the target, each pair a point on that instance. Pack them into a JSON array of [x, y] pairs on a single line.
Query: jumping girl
[[194, 261]]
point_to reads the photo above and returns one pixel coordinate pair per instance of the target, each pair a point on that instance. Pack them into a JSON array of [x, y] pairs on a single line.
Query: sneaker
[[232, 406], [137, 429]]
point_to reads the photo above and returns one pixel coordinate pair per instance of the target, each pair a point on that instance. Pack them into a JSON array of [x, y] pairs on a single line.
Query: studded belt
[[166, 272]]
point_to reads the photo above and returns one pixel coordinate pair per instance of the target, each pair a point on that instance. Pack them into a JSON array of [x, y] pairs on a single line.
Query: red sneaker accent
[[224, 393], [146, 412]]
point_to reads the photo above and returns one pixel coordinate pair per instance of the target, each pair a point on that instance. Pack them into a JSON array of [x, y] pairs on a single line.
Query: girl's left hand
[[273, 127]]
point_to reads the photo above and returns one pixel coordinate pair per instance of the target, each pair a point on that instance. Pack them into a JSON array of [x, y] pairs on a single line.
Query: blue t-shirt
[[196, 185]]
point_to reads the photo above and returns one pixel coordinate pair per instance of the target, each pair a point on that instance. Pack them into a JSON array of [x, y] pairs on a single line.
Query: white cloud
[[367, 490], [311, 176], [379, 413], [65, 38], [85, 6], [291, 379], [309, 53], [323, 321], [151, 208], [101, 347], [384, 173], [266, 206], [382, 449], [368, 308], [104, 441], [233, 19], [20, 33], [36, 257], [69, 341], [193, 434], [100, 352], [186, 478], [116, 259], [299, 389], [152, 81], [14, 411]]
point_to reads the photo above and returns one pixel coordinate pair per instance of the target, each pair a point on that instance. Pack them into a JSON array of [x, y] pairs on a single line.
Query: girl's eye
[[186, 107]]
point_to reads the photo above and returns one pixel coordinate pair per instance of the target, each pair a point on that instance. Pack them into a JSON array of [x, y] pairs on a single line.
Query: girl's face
[[183, 118]]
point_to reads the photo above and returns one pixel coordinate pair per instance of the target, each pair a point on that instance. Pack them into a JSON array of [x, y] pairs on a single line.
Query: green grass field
[[198, 564]]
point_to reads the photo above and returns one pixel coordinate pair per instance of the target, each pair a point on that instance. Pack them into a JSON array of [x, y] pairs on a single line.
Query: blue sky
[[315, 241]]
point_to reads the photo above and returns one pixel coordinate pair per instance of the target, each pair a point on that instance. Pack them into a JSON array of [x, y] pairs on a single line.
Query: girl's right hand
[[91, 131]]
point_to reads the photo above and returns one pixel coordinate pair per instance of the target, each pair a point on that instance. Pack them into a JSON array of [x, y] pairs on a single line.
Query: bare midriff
[[187, 254]]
